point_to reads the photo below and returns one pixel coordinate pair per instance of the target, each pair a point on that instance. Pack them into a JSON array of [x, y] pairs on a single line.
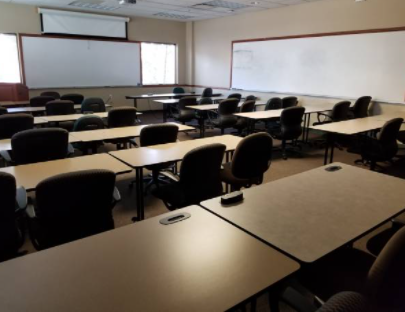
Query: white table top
[[199, 264], [276, 113], [39, 121], [207, 107], [161, 95], [309, 215], [39, 109], [30, 175], [156, 154], [352, 126], [389, 116], [72, 117], [14, 103], [5, 145]]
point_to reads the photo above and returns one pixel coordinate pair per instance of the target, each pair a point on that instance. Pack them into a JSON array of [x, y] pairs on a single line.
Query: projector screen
[[83, 24], [349, 65], [65, 63]]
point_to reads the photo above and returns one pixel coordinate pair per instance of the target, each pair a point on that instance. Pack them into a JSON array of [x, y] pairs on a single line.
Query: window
[[9, 60], [158, 63]]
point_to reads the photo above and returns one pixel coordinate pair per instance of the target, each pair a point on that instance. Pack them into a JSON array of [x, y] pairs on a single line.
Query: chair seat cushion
[[228, 178], [172, 194]]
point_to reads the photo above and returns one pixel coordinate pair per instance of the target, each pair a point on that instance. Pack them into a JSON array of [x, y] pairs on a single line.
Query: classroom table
[[38, 121], [30, 175], [119, 133], [138, 158], [71, 117], [198, 264], [14, 103], [40, 109], [5, 144], [311, 214], [149, 96], [347, 127]]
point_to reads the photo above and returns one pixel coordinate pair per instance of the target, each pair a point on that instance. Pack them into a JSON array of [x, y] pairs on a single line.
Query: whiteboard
[[349, 66], [66, 63]]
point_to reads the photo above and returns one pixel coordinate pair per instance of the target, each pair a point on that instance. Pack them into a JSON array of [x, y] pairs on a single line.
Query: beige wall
[[25, 19], [212, 38]]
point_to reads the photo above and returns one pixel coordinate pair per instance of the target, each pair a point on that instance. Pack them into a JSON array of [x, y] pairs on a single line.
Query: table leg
[[304, 130], [139, 194], [164, 113], [307, 126], [135, 103], [332, 148], [325, 161]]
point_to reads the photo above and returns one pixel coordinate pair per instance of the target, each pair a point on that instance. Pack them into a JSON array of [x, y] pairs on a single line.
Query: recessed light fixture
[[93, 6]]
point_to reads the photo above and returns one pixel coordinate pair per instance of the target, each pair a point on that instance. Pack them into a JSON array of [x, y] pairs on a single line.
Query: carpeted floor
[[312, 158]]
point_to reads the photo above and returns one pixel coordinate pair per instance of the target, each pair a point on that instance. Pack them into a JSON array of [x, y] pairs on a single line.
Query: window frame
[[20, 61]]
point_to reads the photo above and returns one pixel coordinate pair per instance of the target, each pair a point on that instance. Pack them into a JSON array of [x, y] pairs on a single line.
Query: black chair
[[85, 123], [53, 94], [384, 147], [93, 104], [3, 110], [122, 117], [185, 114], [11, 124], [225, 117], [207, 93], [72, 206], [154, 135], [340, 112], [289, 101], [40, 101], [60, 107], [274, 103], [74, 97], [242, 123], [290, 127], [13, 204], [235, 96], [178, 90], [360, 108], [38, 145], [205, 101], [199, 178], [250, 98], [252, 158]]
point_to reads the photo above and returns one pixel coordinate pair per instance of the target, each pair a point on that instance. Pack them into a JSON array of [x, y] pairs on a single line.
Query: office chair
[[85, 123], [74, 97], [243, 123], [72, 206], [252, 158], [53, 94], [274, 103], [225, 117], [40, 101], [124, 116], [205, 101], [93, 104], [11, 124], [360, 108], [183, 113], [154, 135], [207, 93], [340, 112], [13, 204], [60, 107], [178, 90], [199, 178], [237, 96], [290, 128], [250, 98], [289, 101], [384, 147], [3, 110], [38, 145]]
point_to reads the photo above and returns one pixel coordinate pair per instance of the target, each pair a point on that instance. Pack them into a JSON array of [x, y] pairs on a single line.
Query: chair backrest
[[207, 93], [93, 104], [252, 156], [158, 134], [289, 101], [200, 173], [9, 234], [248, 106], [250, 98], [11, 124], [178, 90], [122, 117], [37, 145], [74, 97], [235, 96], [228, 106], [340, 111], [360, 108], [88, 122], [387, 137], [39, 101], [274, 103], [386, 279], [3, 110], [291, 122], [186, 101], [205, 100], [54, 94], [60, 107], [74, 205], [347, 301]]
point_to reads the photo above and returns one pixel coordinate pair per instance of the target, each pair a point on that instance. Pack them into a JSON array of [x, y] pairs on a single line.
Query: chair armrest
[[325, 115], [116, 195], [30, 211], [170, 175], [71, 150], [21, 199], [297, 301], [6, 156]]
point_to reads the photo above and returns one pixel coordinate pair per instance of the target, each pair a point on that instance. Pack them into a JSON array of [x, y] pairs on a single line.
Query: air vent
[[93, 6], [174, 16], [224, 4]]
